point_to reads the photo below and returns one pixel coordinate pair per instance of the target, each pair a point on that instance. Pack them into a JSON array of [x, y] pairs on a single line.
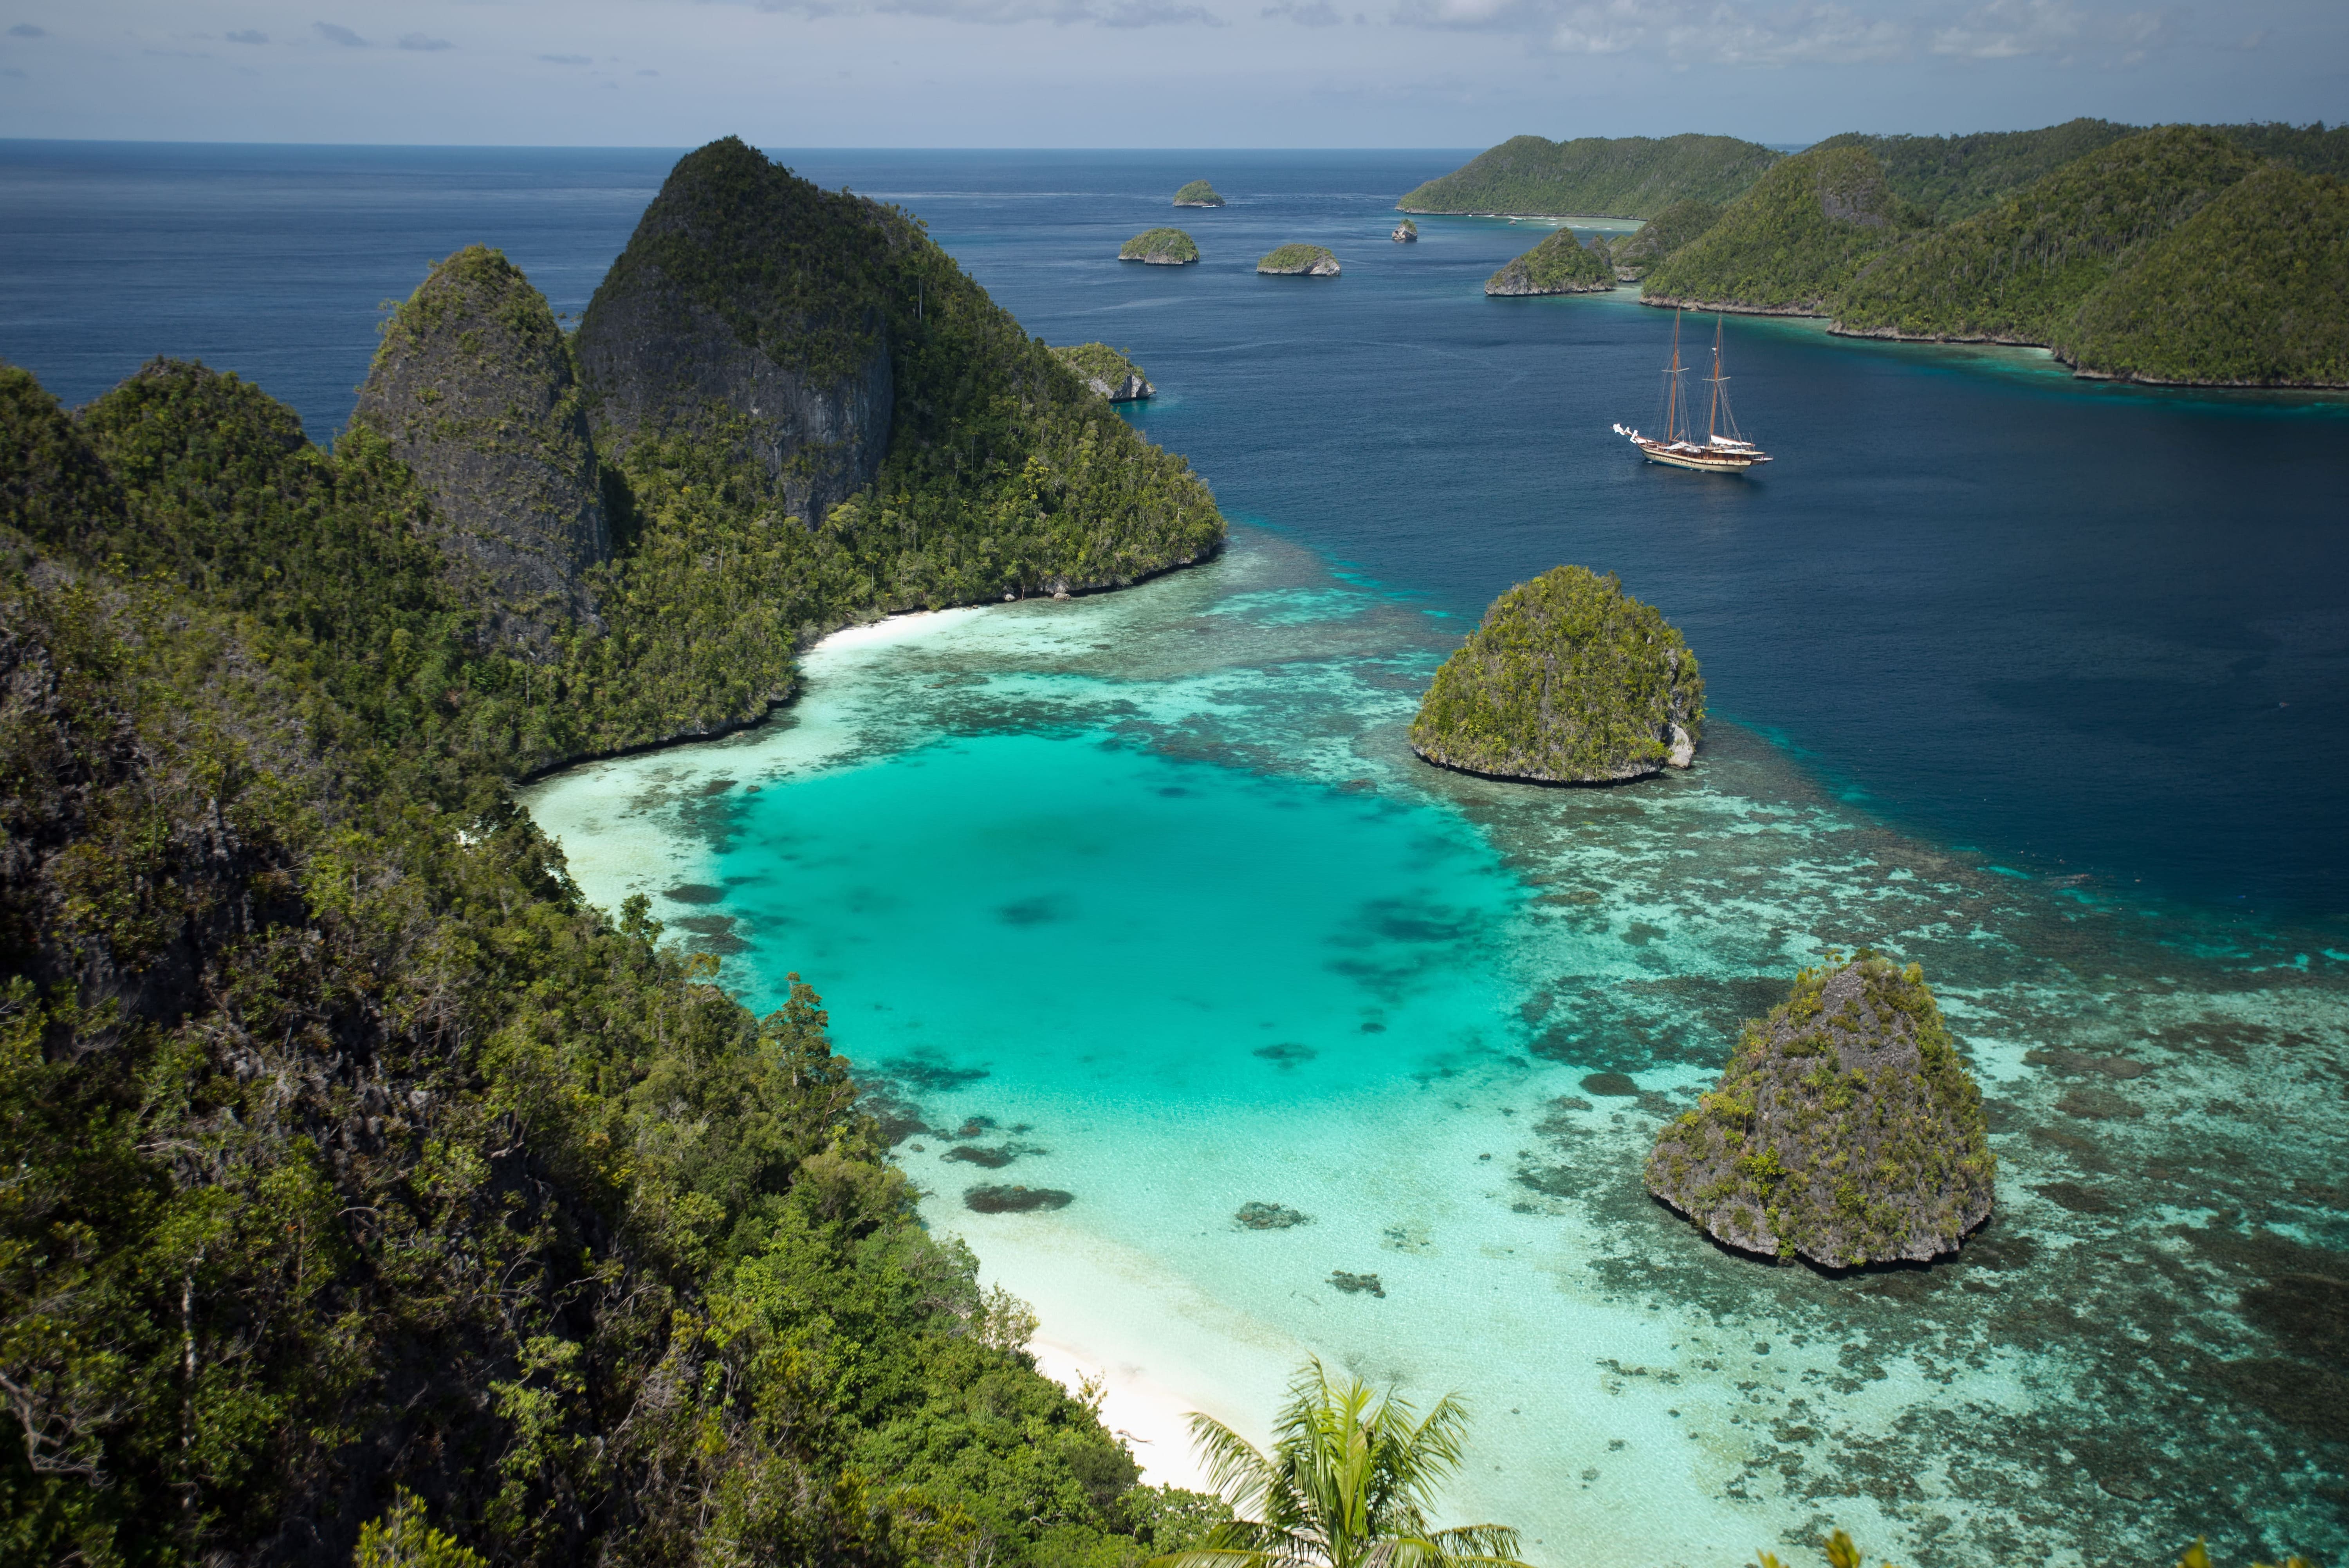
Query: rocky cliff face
[[744, 312], [473, 389], [1844, 1129]]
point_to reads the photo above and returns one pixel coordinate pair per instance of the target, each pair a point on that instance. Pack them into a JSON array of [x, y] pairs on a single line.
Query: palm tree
[[1344, 1487]]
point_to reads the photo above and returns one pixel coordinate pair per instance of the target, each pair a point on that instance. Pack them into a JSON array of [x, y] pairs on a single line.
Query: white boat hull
[[1704, 460]]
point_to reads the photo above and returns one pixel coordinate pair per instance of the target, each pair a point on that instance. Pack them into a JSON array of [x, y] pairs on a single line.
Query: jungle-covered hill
[[2082, 258], [1594, 176], [351, 1154]]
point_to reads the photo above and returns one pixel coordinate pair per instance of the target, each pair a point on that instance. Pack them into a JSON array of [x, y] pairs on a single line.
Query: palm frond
[[1485, 1545], [1234, 1469], [1211, 1557]]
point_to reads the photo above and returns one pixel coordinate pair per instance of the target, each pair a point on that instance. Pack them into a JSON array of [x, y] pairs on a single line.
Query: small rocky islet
[[1844, 1131], [1107, 371], [1198, 193], [1568, 681], [1298, 261], [1560, 265], [1160, 247]]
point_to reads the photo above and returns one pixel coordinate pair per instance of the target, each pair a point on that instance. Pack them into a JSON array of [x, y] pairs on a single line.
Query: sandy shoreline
[[1151, 1420]]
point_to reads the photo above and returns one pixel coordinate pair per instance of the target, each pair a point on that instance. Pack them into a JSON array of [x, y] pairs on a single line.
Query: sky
[[1144, 73]]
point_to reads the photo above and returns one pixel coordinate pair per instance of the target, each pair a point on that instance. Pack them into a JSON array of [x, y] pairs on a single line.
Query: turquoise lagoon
[[1143, 899]]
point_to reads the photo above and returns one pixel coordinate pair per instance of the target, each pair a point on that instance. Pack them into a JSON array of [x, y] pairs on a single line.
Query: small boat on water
[[1717, 453]]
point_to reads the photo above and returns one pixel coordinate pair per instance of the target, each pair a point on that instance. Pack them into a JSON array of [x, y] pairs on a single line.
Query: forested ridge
[[357, 1171], [1594, 176], [2103, 256]]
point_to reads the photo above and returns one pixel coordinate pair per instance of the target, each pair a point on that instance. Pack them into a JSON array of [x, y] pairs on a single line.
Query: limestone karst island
[[1300, 261], [1568, 681], [1160, 247], [1844, 1131], [766, 835], [1107, 372], [1560, 265]]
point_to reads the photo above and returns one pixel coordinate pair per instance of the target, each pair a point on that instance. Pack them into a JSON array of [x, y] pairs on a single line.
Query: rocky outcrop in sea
[[1300, 261], [1568, 680], [1107, 372], [1845, 1130]]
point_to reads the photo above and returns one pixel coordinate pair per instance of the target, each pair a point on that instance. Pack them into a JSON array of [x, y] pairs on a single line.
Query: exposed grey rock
[[654, 359], [473, 389]]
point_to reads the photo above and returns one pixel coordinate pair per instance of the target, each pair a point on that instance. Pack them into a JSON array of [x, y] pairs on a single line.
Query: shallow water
[[1142, 899]]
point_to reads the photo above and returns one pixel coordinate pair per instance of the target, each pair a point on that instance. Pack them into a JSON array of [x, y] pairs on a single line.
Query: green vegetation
[[1299, 258], [1560, 265], [1198, 193], [1794, 242], [368, 1192], [1595, 176], [1347, 1485], [2253, 290], [1161, 246], [2018, 271], [1664, 235], [1106, 371], [2088, 237], [1568, 680], [1004, 474], [1953, 177], [1843, 1130], [2311, 149], [1406, 230]]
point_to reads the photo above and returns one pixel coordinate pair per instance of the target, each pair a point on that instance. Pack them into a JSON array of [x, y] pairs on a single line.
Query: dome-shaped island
[[1160, 247], [1560, 265], [1198, 193], [1568, 680], [1300, 261], [1845, 1130]]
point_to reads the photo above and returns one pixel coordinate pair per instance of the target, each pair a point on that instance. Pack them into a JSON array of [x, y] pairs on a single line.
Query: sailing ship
[[1717, 453]]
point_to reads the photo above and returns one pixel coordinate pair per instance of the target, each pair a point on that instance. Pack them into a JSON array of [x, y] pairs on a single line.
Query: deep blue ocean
[[2078, 629], [1141, 899]]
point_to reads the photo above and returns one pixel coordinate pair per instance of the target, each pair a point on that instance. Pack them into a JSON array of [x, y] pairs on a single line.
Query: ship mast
[[1673, 414], [1712, 411]]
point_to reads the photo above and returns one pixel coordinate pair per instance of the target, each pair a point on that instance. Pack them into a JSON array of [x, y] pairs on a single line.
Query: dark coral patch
[[1612, 1085], [1015, 1199]]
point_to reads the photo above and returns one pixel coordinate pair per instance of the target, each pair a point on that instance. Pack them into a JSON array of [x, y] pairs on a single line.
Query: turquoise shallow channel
[[1143, 899]]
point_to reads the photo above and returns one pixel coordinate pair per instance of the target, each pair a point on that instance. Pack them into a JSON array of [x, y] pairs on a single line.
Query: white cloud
[[1001, 13], [2012, 29], [1722, 32], [335, 33], [423, 45]]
